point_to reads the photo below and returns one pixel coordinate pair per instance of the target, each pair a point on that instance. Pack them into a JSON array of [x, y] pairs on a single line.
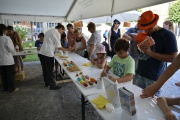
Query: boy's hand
[[103, 73], [112, 78]]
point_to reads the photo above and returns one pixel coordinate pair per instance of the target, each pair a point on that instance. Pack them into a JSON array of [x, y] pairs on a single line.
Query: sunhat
[[147, 20], [100, 49], [141, 37]]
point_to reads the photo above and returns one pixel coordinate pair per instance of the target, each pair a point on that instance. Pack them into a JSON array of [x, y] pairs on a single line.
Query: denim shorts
[[143, 82]]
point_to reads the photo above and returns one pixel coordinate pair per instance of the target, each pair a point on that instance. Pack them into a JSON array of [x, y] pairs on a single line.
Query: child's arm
[[101, 66], [105, 71], [123, 79], [163, 104]]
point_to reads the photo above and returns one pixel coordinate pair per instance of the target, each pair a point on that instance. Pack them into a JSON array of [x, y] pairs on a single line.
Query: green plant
[[174, 10], [23, 31]]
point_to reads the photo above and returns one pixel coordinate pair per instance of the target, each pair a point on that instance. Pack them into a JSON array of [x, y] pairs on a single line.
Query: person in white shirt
[[50, 44], [7, 67]]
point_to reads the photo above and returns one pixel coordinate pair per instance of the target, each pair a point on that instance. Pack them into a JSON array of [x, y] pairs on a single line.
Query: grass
[[30, 57]]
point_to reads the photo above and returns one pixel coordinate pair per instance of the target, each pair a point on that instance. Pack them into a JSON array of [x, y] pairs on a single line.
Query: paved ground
[[35, 102]]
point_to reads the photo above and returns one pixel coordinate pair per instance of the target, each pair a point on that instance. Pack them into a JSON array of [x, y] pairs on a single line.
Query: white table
[[28, 48], [25, 53], [91, 71], [146, 109]]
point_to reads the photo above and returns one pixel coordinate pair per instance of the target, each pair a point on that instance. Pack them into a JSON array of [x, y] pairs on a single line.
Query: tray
[[79, 78]]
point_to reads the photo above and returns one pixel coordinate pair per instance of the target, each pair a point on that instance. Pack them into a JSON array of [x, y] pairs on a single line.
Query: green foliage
[[23, 31], [174, 12]]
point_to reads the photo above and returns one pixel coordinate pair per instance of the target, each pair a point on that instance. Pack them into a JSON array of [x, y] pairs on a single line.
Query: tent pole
[[70, 9]]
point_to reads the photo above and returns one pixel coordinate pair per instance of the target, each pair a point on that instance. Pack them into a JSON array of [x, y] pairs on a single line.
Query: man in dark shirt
[[164, 50]]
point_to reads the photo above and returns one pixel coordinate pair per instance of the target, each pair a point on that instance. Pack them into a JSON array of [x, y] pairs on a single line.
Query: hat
[[141, 37], [147, 20], [100, 49], [116, 21]]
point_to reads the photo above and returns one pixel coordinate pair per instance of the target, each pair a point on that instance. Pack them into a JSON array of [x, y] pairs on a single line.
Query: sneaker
[[15, 90], [55, 88]]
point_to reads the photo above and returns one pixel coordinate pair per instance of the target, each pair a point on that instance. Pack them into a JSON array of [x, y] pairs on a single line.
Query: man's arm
[[128, 37], [163, 104], [162, 57], [91, 51]]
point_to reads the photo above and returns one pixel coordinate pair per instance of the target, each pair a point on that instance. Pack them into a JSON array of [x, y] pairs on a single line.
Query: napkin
[[87, 64], [100, 102]]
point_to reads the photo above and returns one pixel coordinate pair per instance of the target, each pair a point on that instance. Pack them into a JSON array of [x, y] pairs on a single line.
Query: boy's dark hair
[[10, 28], [121, 44], [60, 26], [41, 35], [69, 25], [2, 28]]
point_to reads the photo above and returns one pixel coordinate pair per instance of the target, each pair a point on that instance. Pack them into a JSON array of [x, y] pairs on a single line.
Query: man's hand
[[170, 116], [150, 91]]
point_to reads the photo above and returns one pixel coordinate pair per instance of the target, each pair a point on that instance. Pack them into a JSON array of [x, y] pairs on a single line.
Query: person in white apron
[[80, 43]]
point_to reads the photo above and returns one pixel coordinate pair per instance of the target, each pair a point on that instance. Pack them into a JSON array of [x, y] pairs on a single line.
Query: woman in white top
[[80, 43], [50, 44], [7, 68]]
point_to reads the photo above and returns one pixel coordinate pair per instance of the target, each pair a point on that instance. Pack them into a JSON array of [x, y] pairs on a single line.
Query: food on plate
[[82, 82], [65, 63], [79, 79], [81, 73], [83, 77], [90, 83], [93, 80], [63, 56], [73, 68], [87, 77], [85, 84], [77, 74]]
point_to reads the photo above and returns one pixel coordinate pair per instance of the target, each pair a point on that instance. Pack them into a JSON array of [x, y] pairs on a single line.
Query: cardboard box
[[127, 100], [20, 76], [127, 24], [78, 24]]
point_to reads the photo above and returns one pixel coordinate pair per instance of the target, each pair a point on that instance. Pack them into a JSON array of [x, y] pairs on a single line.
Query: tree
[[174, 12], [23, 31]]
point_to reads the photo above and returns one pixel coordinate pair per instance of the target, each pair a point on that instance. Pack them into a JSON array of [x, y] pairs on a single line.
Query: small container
[[61, 52], [99, 83], [17, 48]]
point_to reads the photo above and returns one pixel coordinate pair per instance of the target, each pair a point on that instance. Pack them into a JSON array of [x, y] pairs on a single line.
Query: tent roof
[[61, 10]]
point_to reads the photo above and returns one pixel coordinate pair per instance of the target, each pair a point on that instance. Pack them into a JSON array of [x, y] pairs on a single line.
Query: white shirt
[[50, 43], [6, 51]]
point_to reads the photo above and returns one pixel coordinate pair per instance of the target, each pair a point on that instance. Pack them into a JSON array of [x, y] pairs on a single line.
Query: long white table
[[146, 109], [92, 71], [25, 53]]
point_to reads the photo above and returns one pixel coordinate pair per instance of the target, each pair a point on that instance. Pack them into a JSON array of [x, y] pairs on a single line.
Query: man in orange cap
[[164, 50]]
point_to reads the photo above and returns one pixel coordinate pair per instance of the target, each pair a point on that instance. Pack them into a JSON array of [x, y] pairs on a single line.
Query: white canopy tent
[[67, 10], [122, 17]]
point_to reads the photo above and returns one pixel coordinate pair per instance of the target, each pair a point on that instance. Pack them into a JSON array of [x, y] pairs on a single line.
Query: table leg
[[83, 106], [56, 67]]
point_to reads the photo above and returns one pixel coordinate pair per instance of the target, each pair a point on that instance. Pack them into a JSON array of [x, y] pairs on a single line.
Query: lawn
[[30, 57]]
